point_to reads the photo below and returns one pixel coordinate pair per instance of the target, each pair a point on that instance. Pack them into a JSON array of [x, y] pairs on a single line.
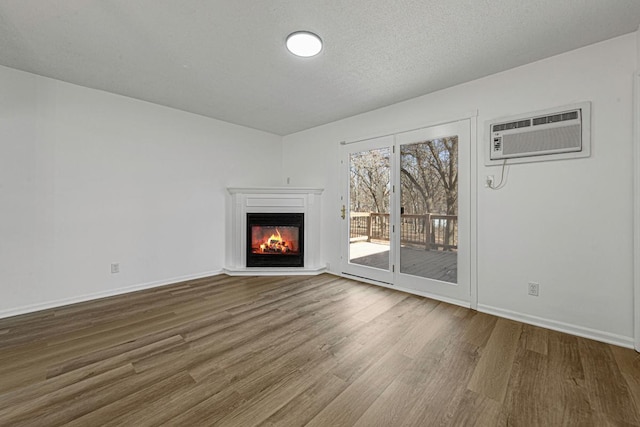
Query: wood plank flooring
[[293, 351]]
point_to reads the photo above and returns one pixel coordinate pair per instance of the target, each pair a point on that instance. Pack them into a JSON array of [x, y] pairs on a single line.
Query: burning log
[[275, 244]]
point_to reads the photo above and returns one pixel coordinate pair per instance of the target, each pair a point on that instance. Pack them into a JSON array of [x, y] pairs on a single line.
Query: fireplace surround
[[302, 205]]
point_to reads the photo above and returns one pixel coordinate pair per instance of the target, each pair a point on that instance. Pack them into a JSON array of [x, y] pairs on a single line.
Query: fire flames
[[274, 244]]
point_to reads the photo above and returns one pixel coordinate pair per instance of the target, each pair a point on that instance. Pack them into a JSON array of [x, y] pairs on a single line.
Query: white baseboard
[[580, 331], [568, 328], [576, 330], [83, 298]]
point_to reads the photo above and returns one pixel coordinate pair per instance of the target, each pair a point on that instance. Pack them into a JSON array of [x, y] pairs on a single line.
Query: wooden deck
[[438, 265], [294, 351]]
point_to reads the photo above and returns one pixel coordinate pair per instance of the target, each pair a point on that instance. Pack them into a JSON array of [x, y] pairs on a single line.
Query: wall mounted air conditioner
[[557, 133]]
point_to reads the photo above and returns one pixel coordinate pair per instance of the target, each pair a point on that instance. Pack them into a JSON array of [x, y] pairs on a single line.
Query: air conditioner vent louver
[[572, 115], [557, 133], [512, 125]]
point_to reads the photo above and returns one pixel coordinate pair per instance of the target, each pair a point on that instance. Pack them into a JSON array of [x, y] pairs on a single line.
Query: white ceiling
[[226, 58]]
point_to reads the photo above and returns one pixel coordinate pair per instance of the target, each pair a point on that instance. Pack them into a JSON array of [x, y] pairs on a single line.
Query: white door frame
[[636, 210], [361, 271], [460, 292]]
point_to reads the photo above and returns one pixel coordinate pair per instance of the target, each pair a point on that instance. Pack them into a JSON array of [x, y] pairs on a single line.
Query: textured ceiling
[[226, 58]]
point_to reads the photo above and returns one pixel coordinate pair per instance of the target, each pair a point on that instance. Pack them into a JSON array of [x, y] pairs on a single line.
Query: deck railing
[[431, 231]]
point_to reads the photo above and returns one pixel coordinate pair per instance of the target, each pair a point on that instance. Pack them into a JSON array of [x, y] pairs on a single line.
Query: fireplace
[[275, 240], [271, 207]]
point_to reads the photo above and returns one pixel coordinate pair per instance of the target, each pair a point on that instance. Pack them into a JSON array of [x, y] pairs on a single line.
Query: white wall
[[88, 178], [565, 224]]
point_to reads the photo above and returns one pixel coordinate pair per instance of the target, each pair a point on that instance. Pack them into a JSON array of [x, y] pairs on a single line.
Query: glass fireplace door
[[275, 240]]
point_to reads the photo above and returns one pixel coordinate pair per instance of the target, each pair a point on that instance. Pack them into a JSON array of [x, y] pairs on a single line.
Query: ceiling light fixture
[[304, 43]]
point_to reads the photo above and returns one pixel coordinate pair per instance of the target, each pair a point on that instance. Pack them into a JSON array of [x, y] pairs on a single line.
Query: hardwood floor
[[318, 351]]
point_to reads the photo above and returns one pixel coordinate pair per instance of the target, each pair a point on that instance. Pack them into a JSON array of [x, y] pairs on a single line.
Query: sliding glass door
[[407, 210]]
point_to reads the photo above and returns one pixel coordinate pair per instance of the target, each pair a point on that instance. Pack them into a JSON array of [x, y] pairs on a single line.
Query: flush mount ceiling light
[[304, 43]]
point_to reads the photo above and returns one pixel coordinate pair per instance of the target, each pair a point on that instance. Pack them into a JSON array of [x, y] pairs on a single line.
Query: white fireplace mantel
[[272, 200]]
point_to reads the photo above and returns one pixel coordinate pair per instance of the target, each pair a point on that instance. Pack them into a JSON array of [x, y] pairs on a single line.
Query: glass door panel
[[429, 208], [369, 201]]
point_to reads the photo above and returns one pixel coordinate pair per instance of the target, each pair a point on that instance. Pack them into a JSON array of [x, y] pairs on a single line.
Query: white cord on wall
[[502, 182]]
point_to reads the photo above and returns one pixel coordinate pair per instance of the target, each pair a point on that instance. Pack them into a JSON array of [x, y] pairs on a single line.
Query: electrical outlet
[[488, 181], [115, 267], [534, 289]]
